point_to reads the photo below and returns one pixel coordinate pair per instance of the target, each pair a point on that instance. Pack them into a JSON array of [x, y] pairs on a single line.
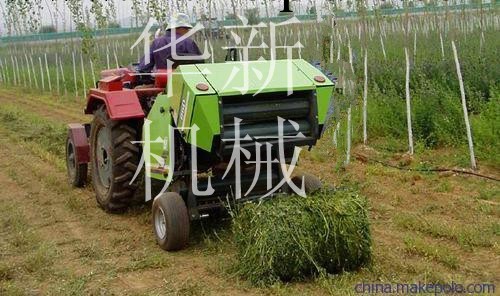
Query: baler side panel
[[205, 114], [159, 129], [324, 89], [324, 95], [184, 82]]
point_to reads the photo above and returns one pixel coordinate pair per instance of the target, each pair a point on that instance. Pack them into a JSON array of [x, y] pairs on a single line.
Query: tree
[[138, 11], [48, 29], [114, 25], [231, 16], [386, 5], [158, 9], [23, 16], [253, 16]]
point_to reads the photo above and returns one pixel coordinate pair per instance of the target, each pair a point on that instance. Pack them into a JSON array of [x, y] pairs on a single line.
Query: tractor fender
[[79, 137], [120, 105]]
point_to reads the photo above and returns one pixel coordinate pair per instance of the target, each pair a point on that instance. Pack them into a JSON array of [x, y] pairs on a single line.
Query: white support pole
[[13, 70], [300, 48], [383, 47], [335, 134], [83, 76], [2, 77], [116, 60], [482, 41], [331, 49], [41, 73], [464, 107], [212, 50], [74, 73], [348, 149], [350, 50], [28, 68], [408, 104], [365, 98], [34, 73], [18, 72], [23, 70], [317, 37], [62, 76], [442, 45], [57, 75], [338, 52], [5, 65], [414, 46], [6, 72], [107, 56], [48, 73], [93, 73]]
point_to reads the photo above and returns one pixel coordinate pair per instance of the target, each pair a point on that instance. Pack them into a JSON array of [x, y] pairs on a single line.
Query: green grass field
[[431, 227]]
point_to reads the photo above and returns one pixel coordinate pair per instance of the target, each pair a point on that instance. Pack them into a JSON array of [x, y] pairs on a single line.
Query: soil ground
[[54, 240]]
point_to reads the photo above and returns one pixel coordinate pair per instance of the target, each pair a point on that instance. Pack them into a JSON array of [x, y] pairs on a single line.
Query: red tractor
[[119, 104], [202, 95]]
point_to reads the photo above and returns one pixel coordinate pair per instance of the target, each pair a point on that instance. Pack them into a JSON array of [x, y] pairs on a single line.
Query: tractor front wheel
[[170, 221], [114, 161]]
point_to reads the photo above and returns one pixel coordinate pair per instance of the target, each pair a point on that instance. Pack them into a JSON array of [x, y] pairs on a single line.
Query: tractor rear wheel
[[170, 221], [77, 172], [114, 161]]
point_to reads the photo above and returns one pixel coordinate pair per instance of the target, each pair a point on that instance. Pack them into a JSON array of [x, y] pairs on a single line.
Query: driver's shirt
[[158, 59]]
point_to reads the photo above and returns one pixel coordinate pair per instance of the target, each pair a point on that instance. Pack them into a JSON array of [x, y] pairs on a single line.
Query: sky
[[124, 9]]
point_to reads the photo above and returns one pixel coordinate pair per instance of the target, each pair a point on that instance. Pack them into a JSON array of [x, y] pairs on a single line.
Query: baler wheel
[[77, 172], [114, 160], [170, 221], [311, 182]]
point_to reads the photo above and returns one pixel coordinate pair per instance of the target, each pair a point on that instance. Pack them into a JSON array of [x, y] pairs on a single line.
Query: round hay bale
[[291, 237]]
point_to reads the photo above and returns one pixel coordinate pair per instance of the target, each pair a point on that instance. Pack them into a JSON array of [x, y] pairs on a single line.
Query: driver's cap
[[179, 20]]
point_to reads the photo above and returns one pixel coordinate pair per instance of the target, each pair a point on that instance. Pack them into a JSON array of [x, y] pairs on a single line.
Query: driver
[[178, 26]]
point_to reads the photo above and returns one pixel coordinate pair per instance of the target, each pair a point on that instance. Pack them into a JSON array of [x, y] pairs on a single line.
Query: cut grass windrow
[[40, 133], [466, 236], [29, 127], [438, 252]]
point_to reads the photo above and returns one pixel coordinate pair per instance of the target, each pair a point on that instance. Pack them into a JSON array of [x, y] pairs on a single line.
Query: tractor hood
[[235, 78]]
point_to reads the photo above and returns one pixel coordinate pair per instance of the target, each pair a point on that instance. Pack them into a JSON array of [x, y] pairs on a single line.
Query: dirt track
[[113, 253], [55, 240]]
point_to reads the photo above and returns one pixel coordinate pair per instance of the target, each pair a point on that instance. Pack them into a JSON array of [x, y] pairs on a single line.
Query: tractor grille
[[259, 115]]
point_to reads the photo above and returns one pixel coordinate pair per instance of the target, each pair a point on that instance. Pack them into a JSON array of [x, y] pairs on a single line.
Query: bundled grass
[[291, 237]]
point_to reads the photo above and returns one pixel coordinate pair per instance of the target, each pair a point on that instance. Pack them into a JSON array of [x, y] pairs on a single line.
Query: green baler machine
[[210, 97], [213, 110], [213, 98]]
